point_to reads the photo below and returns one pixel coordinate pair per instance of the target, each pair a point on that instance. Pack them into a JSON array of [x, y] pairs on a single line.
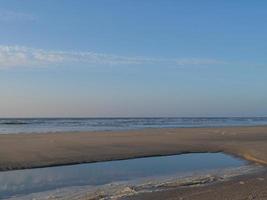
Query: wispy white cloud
[[19, 56], [9, 16]]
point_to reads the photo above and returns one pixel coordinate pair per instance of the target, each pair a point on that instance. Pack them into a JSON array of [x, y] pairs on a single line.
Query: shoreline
[[132, 129], [247, 186], [136, 189]]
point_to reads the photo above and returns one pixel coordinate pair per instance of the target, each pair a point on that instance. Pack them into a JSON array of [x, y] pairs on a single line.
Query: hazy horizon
[[134, 117], [124, 58]]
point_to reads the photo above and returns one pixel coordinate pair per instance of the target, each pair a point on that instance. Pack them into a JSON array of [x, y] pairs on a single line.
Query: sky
[[133, 58]]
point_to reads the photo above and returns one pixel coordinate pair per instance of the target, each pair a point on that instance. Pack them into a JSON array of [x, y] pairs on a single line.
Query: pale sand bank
[[39, 150]]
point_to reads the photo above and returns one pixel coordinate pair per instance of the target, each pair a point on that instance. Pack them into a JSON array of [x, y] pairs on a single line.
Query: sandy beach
[[242, 188], [20, 151]]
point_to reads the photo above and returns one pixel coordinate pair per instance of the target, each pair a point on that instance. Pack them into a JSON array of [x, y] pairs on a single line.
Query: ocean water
[[42, 125]]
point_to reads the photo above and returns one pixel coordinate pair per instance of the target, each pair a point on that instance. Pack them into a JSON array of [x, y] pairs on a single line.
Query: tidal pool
[[23, 182]]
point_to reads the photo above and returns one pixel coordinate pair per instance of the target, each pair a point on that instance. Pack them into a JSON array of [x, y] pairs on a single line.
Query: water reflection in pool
[[35, 180]]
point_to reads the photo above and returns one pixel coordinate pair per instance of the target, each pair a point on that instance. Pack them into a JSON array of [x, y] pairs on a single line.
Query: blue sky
[[103, 58]]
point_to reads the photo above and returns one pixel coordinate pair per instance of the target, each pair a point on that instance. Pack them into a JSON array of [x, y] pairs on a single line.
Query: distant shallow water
[[25, 182], [42, 125]]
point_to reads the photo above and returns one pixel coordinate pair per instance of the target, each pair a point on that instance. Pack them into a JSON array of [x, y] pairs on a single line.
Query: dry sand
[[40, 150]]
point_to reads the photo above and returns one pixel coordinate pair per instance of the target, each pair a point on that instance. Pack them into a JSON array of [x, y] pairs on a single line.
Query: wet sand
[[19, 151], [250, 187], [40, 150]]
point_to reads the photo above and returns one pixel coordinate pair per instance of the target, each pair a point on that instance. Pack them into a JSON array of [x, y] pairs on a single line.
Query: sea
[[44, 125]]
